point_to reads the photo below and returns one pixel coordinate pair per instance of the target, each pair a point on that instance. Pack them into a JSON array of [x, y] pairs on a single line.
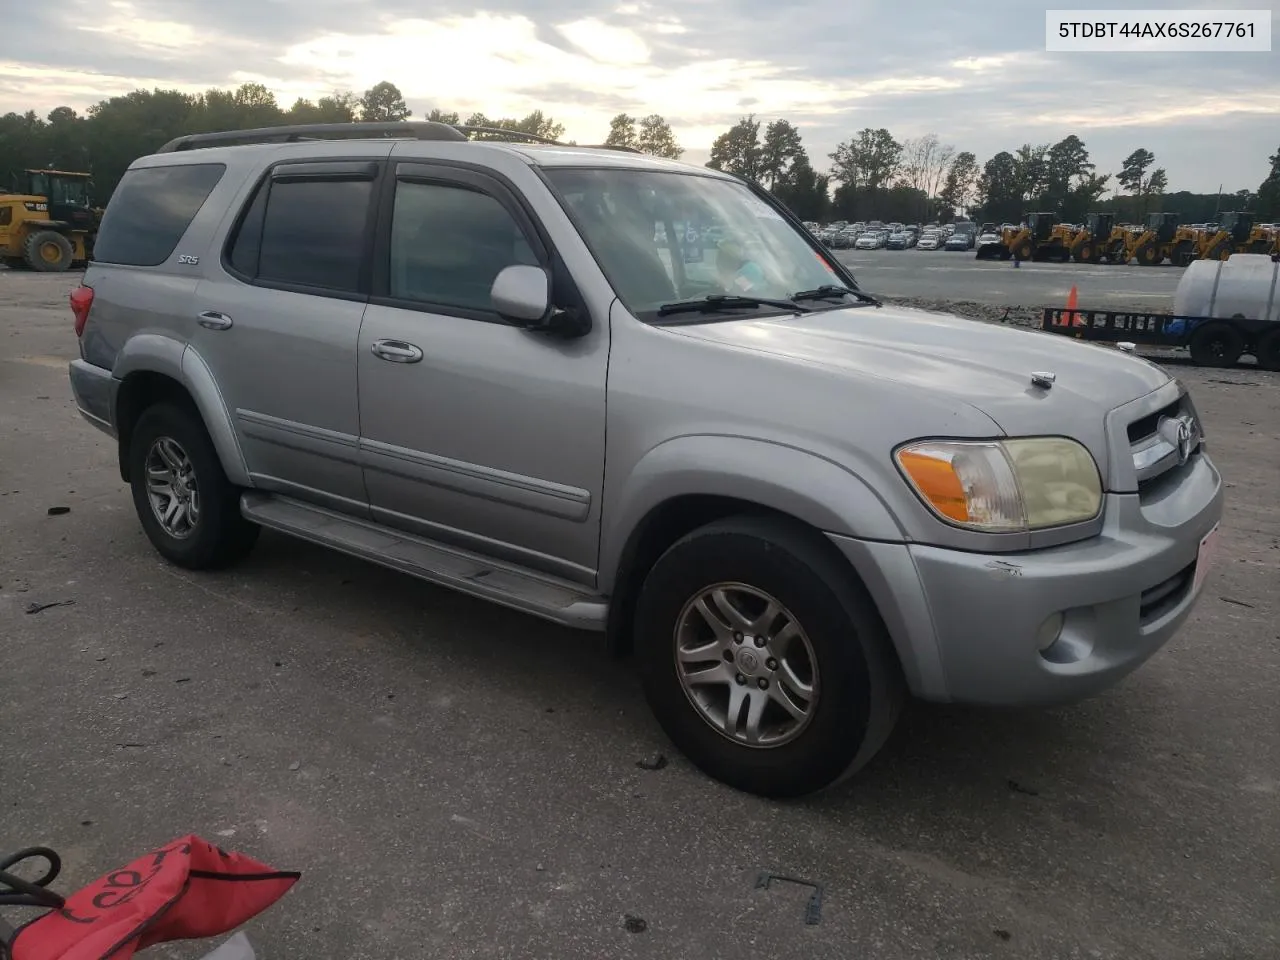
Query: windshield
[[662, 237], [69, 190]]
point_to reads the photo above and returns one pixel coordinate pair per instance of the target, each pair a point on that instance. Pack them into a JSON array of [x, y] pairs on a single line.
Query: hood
[[985, 365]]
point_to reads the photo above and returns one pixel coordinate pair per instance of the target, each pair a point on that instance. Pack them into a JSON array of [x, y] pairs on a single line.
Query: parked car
[[902, 240], [871, 240], [468, 361], [929, 241], [963, 237]]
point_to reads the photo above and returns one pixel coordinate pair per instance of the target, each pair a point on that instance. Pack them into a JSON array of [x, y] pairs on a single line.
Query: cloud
[[979, 77]]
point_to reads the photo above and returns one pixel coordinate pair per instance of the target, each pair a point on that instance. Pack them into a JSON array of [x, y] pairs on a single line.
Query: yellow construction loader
[[47, 222]]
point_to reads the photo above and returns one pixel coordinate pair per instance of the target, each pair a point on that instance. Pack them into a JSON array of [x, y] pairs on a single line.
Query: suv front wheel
[[764, 659], [188, 508]]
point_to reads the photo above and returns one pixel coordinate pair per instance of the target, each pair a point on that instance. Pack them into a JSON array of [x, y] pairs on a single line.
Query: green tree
[[535, 123], [869, 160], [335, 108], [1135, 179], [1072, 185], [22, 145], [782, 148], [1000, 189], [64, 145], [656, 138], [256, 106], [1268, 203], [737, 150], [123, 128], [622, 132], [804, 190], [1031, 169], [384, 102], [960, 183]]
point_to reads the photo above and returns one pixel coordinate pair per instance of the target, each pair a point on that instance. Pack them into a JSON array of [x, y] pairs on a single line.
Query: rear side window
[[304, 232], [151, 210]]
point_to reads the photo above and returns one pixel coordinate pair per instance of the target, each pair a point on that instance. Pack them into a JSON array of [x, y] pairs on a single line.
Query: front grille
[[1154, 447], [1164, 596], [1146, 426]]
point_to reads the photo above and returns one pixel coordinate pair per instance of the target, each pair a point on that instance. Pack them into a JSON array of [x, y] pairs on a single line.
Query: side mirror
[[522, 293]]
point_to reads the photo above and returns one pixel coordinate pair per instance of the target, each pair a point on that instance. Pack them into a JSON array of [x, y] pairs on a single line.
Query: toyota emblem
[[1182, 433], [1184, 440]]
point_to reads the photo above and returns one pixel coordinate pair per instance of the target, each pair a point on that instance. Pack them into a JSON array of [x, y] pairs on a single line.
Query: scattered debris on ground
[[1018, 316]]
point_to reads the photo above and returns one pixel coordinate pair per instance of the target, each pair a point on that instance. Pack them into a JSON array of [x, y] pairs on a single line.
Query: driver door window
[[449, 243]]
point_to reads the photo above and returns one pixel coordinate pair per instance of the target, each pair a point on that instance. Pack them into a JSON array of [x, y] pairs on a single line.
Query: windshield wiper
[[719, 301], [830, 290]]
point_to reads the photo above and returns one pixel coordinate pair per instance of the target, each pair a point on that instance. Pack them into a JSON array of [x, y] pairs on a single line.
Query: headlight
[[1004, 486]]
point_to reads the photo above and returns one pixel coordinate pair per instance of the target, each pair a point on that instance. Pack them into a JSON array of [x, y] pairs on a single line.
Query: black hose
[[17, 892]]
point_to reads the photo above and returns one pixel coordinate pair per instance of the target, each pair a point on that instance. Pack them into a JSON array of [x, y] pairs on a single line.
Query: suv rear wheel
[[188, 508], [764, 659]]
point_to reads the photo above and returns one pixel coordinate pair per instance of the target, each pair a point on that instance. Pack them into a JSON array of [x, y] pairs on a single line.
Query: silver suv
[[636, 396]]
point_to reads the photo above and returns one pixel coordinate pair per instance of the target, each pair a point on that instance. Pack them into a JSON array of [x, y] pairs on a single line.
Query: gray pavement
[[455, 780], [939, 275]]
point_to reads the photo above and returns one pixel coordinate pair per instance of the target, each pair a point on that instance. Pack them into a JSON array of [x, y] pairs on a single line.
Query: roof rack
[[416, 130], [407, 129], [510, 134]]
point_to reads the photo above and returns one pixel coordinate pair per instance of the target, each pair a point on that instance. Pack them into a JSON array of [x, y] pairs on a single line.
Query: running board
[[511, 586]]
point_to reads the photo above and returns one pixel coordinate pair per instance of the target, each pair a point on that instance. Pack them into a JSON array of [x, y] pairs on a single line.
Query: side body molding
[[810, 487]]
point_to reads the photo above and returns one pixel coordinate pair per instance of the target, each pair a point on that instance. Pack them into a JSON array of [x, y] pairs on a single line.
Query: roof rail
[[407, 129], [510, 134], [416, 130]]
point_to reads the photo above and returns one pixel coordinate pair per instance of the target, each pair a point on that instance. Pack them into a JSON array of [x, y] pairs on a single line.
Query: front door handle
[[213, 320], [397, 351]]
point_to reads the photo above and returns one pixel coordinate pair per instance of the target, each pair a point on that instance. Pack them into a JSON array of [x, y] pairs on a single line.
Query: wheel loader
[[47, 222], [1263, 238], [1099, 240], [1163, 238], [1232, 236], [1042, 238]]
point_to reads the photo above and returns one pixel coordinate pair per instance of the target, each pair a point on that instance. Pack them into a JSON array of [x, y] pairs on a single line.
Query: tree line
[[875, 175], [116, 131], [870, 175]]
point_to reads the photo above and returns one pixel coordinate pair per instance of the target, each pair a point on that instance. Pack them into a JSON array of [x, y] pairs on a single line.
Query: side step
[[511, 586]]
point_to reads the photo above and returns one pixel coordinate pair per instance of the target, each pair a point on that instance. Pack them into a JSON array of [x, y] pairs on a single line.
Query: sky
[[974, 73]]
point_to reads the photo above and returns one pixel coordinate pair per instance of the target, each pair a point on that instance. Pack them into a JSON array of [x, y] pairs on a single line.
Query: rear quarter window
[[151, 210]]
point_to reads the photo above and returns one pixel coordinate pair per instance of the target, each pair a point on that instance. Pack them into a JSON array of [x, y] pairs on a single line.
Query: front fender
[[809, 487]]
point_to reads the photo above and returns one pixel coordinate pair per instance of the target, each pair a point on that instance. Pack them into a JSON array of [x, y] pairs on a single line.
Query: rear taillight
[[81, 301]]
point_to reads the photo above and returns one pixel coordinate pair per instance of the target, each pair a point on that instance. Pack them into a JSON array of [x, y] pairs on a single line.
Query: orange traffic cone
[[1072, 318]]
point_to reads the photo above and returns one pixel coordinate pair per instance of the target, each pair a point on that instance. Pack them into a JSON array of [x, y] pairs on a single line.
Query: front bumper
[[94, 390], [966, 625]]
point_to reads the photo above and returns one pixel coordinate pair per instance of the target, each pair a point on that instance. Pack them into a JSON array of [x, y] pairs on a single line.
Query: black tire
[[1268, 350], [1149, 255], [43, 243], [1085, 253], [1023, 251], [1216, 344], [860, 686], [221, 535]]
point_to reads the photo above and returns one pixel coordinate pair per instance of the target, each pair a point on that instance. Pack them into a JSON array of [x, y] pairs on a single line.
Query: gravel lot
[[455, 780]]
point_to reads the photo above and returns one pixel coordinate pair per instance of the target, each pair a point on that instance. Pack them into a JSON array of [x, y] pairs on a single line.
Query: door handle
[[397, 351], [213, 320]]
